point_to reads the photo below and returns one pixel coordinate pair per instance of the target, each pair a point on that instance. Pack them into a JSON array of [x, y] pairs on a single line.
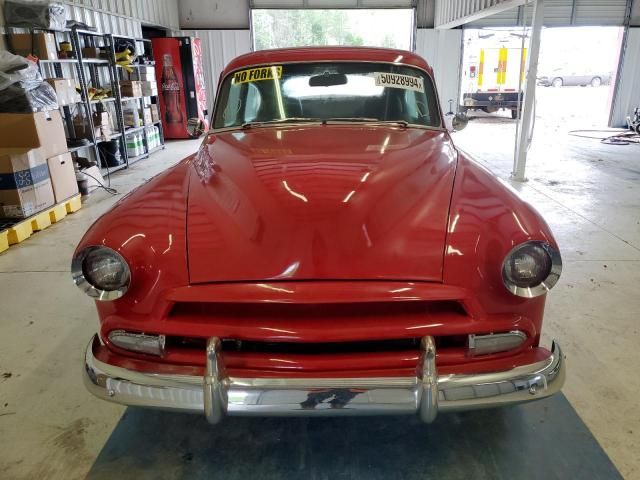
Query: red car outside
[[327, 251]]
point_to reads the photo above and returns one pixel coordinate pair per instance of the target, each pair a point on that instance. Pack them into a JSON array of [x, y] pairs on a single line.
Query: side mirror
[[459, 122]]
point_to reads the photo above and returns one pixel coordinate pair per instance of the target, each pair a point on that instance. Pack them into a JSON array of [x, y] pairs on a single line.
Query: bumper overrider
[[216, 395]]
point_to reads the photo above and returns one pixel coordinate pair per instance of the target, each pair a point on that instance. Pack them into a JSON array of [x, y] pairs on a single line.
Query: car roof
[[323, 54]]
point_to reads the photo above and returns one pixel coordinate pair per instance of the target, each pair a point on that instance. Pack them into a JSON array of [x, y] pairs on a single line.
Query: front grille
[[305, 312], [316, 337], [316, 348]]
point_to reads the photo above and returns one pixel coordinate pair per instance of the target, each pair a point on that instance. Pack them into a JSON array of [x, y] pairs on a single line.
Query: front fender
[[148, 228], [487, 218]]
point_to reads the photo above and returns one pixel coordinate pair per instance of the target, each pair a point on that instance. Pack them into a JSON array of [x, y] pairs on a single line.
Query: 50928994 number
[[396, 80]]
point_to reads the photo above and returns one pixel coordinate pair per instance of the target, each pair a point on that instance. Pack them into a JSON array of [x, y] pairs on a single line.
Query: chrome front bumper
[[217, 394]]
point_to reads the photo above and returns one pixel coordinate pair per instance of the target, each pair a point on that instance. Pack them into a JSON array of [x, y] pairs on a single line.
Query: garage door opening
[[391, 28], [575, 84], [576, 75]]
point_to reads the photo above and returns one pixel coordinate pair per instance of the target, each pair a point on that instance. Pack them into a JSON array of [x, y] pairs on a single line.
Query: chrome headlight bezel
[[79, 278], [547, 284]]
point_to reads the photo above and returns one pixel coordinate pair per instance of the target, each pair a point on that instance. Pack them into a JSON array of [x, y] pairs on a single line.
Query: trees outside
[[294, 28]]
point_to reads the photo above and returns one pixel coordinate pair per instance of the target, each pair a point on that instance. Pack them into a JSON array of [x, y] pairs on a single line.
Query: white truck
[[493, 72]]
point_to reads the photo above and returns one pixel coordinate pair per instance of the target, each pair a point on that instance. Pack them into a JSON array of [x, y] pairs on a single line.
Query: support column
[[527, 115]]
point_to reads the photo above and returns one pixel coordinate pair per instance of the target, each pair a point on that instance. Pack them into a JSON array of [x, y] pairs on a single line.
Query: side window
[[253, 102]]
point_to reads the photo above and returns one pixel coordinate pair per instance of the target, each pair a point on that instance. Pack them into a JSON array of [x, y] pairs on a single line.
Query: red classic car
[[327, 251]]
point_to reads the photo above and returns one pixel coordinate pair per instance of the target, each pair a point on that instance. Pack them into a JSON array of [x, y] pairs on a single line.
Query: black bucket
[[110, 153]]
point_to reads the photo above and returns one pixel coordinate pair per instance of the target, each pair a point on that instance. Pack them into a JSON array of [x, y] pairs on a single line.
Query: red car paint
[[219, 246]]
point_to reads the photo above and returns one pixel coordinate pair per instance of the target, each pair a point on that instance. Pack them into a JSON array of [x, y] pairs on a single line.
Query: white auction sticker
[[395, 80]]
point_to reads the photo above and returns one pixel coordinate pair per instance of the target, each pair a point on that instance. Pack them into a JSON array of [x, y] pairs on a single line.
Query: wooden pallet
[[23, 229]]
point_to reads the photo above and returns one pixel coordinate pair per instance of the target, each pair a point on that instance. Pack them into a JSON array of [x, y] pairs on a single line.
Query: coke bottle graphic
[[170, 91]]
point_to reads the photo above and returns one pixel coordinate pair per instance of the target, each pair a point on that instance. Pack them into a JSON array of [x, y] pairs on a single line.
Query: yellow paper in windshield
[[257, 74]]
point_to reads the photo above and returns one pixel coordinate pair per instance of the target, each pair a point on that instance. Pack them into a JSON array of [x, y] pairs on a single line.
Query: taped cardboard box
[[34, 130], [149, 89], [130, 88], [65, 91], [147, 77], [92, 177], [25, 185], [94, 52], [155, 114], [42, 45], [63, 177], [102, 127], [147, 70], [146, 116]]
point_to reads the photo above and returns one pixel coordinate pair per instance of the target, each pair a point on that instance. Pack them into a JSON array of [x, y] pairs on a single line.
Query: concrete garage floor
[[52, 428], [589, 193]]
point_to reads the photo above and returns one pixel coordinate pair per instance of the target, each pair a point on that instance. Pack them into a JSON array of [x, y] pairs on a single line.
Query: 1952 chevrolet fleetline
[[327, 251]]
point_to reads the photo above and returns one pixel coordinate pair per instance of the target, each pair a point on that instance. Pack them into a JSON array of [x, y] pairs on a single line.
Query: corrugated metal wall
[[123, 17], [443, 50], [219, 47], [154, 12], [332, 3], [627, 95], [557, 12]]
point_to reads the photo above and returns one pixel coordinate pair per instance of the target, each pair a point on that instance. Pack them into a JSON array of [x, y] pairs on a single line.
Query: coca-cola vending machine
[[181, 84]]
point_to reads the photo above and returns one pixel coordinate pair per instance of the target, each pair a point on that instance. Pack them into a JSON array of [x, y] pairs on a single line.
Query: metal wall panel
[[627, 95], [635, 14], [556, 13], [123, 16], [222, 14], [443, 50], [425, 13], [332, 3], [597, 12], [219, 47], [508, 18]]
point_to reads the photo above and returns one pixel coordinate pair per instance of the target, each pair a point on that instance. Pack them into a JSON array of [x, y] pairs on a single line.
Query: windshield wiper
[[350, 119], [402, 123], [377, 121], [279, 121]]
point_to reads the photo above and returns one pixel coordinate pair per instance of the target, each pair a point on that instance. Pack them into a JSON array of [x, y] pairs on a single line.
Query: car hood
[[317, 202]]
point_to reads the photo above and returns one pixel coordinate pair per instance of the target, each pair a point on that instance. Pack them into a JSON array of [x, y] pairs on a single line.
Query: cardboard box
[[100, 132], [34, 130], [149, 88], [65, 90], [25, 186], [146, 116], [43, 45], [93, 177], [93, 52], [131, 117], [102, 124], [63, 176], [155, 114], [130, 88], [101, 119], [147, 77], [147, 70]]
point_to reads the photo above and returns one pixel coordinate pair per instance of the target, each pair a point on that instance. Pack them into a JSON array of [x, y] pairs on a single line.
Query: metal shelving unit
[[54, 69], [102, 77], [99, 73], [120, 72]]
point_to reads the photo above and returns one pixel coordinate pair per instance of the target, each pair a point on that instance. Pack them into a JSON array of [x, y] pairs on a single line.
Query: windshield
[[350, 92]]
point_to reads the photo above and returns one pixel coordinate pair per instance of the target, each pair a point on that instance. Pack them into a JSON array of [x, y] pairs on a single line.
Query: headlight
[[531, 269], [101, 273]]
